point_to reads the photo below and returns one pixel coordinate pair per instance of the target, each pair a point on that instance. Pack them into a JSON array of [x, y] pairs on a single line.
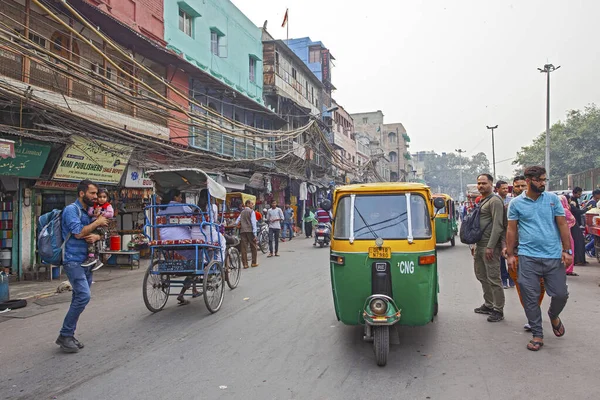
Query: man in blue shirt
[[538, 218], [77, 231], [288, 222]]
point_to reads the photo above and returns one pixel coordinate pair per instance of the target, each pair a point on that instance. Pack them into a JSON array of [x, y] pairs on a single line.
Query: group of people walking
[[532, 231]]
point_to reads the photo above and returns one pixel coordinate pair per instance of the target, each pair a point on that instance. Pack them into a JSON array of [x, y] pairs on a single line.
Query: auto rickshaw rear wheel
[[381, 344]]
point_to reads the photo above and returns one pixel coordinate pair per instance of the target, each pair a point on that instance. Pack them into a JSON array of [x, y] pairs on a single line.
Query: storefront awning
[[233, 182]]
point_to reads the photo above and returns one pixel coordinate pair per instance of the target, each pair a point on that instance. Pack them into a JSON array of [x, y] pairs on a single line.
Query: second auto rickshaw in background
[[446, 221], [383, 259]]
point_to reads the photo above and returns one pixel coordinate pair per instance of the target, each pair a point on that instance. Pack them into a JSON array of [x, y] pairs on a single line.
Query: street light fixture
[[493, 148], [548, 68]]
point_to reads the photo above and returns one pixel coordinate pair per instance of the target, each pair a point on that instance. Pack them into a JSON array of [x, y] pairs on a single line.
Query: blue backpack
[[50, 242]]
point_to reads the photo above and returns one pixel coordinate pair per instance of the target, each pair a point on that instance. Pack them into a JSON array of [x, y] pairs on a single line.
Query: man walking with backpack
[[488, 249], [77, 231]]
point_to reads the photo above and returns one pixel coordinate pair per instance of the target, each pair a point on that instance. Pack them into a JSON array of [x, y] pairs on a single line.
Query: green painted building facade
[[218, 38]]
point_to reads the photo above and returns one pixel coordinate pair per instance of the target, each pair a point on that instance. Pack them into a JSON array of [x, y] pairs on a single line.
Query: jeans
[[274, 237], [506, 279], [531, 269], [81, 280], [288, 229], [590, 247]]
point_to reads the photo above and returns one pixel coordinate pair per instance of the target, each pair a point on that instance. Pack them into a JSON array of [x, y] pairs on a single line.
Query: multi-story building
[[389, 142], [225, 48], [369, 139], [344, 143]]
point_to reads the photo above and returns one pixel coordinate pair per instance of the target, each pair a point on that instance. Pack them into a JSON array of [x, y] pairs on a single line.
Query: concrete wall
[[179, 131], [240, 39], [145, 16]]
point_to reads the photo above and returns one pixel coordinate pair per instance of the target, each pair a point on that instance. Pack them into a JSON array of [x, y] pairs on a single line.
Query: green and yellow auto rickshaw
[[446, 223], [383, 258]]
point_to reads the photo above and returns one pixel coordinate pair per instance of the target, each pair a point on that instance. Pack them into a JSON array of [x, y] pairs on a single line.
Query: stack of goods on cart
[[139, 243]]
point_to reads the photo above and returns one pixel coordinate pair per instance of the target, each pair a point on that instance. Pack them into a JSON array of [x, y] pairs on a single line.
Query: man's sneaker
[[99, 264], [495, 316], [89, 262], [483, 310], [68, 344], [527, 327]]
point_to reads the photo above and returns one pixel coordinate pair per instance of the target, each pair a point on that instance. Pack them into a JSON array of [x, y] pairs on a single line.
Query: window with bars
[[314, 55], [214, 42], [252, 69], [186, 23]]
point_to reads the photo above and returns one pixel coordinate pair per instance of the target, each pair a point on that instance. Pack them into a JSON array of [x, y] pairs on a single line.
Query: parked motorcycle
[[323, 234]]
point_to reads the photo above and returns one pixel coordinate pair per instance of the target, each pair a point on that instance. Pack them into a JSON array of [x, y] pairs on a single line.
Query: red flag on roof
[[285, 19]]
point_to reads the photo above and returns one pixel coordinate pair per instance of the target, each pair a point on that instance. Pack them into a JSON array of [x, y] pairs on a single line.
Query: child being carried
[[102, 207]]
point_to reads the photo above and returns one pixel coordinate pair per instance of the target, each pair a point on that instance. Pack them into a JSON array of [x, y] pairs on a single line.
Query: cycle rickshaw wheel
[[213, 286], [155, 288], [233, 267]]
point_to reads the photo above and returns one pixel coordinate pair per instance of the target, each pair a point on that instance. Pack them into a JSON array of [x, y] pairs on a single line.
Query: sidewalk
[[32, 290]]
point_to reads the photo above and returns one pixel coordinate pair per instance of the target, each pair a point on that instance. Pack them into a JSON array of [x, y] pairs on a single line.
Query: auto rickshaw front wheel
[[381, 344], [453, 241]]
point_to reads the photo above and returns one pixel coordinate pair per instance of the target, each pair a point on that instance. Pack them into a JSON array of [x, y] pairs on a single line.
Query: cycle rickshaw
[[194, 261]]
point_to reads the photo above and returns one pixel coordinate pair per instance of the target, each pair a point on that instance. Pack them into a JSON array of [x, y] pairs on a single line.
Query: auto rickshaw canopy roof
[[383, 187], [442, 195], [186, 179]]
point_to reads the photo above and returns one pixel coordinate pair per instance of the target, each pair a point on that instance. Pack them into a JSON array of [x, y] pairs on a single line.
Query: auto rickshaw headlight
[[378, 306]]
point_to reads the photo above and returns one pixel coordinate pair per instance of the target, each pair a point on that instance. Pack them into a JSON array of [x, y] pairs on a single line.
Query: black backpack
[[470, 230]]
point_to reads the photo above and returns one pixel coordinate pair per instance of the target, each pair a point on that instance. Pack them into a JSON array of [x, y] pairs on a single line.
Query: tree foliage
[[442, 172], [574, 145]]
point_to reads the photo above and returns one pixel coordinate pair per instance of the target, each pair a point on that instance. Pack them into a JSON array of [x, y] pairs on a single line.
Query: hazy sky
[[446, 69]]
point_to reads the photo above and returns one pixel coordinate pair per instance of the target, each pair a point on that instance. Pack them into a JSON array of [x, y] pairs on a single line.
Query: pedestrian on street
[[488, 249], [578, 239], [502, 191], [248, 233], [309, 220], [590, 248], [288, 222], [274, 219], [570, 223], [77, 229], [519, 186], [323, 217], [538, 219]]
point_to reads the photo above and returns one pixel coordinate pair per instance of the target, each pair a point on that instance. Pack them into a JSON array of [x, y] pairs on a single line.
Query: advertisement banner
[[96, 160], [136, 178], [28, 161]]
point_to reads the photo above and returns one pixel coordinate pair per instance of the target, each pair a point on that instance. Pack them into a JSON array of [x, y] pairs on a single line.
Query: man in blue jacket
[[77, 231]]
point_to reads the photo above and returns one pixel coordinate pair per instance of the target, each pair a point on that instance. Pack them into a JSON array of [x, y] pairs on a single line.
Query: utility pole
[[398, 141], [548, 68], [460, 192], [493, 148]]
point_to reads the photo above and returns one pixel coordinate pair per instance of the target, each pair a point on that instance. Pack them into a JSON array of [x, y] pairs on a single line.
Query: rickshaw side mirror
[[438, 203]]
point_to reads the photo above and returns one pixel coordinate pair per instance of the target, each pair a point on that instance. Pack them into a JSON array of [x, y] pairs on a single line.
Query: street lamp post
[[460, 151], [548, 68], [493, 148]]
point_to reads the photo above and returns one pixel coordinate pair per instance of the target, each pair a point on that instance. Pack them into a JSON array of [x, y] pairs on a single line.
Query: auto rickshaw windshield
[[386, 216]]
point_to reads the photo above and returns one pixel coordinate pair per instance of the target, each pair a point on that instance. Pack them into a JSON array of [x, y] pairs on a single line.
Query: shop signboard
[[137, 178], [57, 185], [29, 160], [96, 160]]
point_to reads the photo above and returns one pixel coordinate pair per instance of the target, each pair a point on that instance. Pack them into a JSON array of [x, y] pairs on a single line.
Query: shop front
[[21, 162]]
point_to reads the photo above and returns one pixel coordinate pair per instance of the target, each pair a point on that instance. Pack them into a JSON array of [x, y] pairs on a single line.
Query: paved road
[[284, 342]]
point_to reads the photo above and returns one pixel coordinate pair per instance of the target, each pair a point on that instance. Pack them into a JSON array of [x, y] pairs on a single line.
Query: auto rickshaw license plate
[[380, 252]]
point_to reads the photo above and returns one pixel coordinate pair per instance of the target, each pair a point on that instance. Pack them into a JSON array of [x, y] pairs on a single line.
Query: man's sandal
[[534, 346], [556, 329]]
